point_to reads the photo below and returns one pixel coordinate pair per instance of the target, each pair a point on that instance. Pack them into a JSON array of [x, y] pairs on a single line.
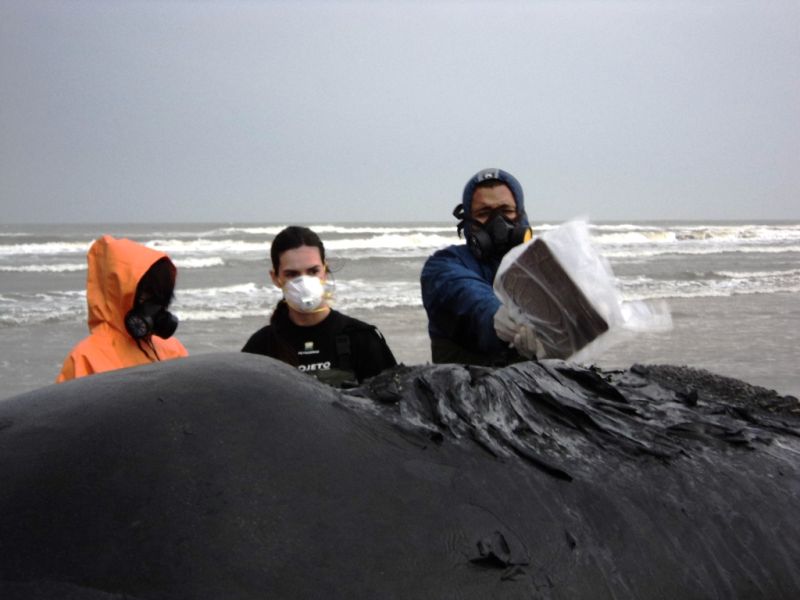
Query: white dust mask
[[304, 293]]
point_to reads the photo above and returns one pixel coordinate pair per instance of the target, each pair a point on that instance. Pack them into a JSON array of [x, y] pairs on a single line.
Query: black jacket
[[339, 343]]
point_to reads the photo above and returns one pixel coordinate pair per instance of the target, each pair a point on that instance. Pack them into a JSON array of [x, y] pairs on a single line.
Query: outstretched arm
[[460, 302]]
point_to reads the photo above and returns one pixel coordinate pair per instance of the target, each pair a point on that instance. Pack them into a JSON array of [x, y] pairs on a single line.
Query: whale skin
[[235, 476]]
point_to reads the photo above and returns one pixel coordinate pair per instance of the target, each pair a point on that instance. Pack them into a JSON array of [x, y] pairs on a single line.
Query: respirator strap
[[458, 213]]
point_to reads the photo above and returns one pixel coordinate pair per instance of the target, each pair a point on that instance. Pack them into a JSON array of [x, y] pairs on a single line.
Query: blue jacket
[[458, 297]]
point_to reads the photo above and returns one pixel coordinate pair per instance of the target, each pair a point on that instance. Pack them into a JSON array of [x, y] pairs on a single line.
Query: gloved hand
[[504, 326], [527, 342], [522, 337]]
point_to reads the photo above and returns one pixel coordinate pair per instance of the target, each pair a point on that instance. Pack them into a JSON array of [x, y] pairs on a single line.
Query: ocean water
[[733, 289]]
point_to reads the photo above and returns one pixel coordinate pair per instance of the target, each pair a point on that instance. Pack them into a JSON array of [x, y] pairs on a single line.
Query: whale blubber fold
[[565, 319]]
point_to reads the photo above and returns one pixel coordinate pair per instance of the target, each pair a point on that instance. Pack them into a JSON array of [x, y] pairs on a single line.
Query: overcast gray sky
[[340, 111]]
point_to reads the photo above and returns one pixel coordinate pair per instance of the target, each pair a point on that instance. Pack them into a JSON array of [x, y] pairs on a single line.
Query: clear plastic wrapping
[[559, 284]]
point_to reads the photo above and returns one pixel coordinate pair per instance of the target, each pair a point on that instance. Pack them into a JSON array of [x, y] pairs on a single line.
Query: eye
[[313, 271]]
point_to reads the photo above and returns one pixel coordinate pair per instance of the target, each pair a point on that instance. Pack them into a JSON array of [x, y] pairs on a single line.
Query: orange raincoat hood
[[115, 268]]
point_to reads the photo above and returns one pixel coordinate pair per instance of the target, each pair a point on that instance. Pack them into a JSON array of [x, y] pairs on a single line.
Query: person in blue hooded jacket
[[466, 322]]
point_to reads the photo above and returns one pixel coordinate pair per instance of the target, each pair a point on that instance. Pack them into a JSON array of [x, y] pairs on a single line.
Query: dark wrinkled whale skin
[[234, 476]]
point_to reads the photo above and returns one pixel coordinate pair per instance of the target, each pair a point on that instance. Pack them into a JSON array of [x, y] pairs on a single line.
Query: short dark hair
[[293, 237]]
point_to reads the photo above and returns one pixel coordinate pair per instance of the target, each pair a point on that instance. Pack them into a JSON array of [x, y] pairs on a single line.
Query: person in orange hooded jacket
[[128, 289]]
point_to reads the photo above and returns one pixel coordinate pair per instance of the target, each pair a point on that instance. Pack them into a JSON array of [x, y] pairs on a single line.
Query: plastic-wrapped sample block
[[539, 287]]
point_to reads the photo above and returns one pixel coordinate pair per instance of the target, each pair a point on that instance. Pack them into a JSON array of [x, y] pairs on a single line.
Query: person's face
[[304, 260], [486, 201]]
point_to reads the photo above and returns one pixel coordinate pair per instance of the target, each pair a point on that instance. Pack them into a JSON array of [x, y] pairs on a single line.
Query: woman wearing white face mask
[[304, 330]]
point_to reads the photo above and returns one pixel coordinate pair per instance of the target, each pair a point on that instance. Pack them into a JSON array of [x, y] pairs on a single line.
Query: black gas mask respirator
[[150, 318], [493, 238]]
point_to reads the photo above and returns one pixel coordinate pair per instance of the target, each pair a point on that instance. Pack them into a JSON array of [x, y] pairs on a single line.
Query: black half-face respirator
[[493, 238], [150, 318]]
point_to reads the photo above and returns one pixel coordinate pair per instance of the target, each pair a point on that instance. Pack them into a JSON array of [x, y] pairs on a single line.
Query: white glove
[[527, 342], [522, 337], [504, 326]]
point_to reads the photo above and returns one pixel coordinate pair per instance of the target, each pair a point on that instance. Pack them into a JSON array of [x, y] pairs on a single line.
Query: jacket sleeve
[[67, 370], [172, 348], [75, 365], [460, 302]]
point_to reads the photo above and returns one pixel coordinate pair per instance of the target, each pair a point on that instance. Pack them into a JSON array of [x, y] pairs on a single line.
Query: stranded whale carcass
[[233, 476]]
